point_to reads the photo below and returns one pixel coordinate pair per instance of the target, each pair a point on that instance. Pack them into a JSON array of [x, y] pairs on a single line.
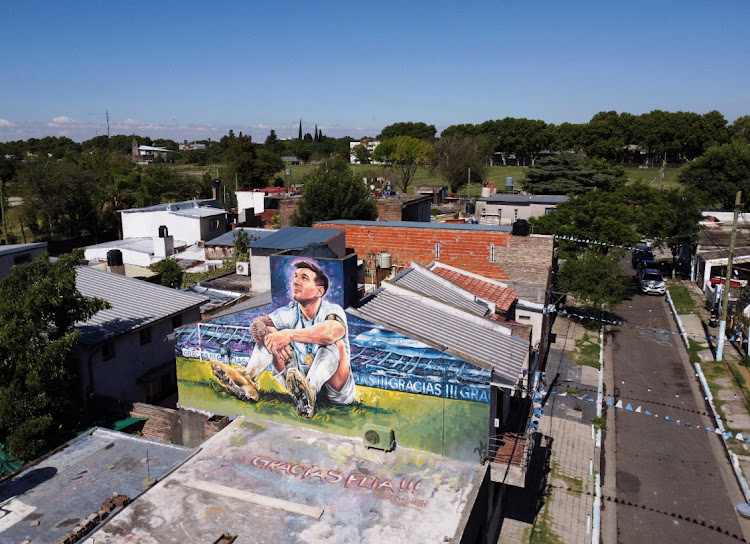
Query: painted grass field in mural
[[420, 421]]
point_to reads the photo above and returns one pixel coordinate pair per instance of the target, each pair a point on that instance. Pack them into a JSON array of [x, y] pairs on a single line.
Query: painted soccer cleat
[[302, 393], [235, 382]]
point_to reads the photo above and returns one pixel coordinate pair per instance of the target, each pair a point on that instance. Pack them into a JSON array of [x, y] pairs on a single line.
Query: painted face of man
[[304, 287]]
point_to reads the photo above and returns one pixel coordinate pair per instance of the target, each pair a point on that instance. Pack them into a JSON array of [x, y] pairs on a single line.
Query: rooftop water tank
[[114, 257]]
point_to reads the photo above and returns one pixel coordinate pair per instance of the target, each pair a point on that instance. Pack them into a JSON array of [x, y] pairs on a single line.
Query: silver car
[[652, 282]]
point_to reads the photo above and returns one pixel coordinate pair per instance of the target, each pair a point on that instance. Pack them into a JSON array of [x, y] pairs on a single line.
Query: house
[[524, 263], [135, 252], [435, 378], [145, 154], [81, 485], [188, 222], [192, 146], [287, 239], [222, 247], [369, 144], [14, 254], [124, 352], [506, 209], [438, 194]]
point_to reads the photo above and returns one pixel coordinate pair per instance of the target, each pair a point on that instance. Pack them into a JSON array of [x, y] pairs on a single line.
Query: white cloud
[[6, 124]]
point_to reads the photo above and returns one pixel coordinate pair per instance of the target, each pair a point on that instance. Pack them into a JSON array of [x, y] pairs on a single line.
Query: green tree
[[252, 168], [170, 273], [39, 394], [334, 191], [361, 153], [568, 174], [420, 131], [241, 245], [717, 175], [404, 154], [456, 156], [595, 279]]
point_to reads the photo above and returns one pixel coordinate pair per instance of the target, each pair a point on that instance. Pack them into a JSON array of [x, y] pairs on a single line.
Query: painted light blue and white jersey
[[291, 317]]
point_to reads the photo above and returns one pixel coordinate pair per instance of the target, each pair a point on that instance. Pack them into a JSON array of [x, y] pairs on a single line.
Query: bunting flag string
[[732, 336], [585, 240], [666, 419]]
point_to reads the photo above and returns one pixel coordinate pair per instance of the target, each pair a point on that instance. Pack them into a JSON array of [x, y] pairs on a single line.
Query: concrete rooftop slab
[[268, 482], [65, 488]]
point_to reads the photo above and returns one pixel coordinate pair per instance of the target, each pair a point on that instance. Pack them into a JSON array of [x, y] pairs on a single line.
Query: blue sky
[[193, 70]]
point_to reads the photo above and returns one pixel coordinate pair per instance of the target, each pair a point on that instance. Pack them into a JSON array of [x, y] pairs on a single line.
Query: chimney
[[163, 244], [216, 191]]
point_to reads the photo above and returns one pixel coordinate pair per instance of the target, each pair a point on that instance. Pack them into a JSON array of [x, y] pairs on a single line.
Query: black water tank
[[114, 257], [521, 228], [163, 233], [470, 208]]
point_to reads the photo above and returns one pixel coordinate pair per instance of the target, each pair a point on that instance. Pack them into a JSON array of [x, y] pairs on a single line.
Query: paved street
[[672, 483]]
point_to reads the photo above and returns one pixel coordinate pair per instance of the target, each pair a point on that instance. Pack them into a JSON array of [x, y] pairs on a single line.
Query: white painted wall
[[250, 199]]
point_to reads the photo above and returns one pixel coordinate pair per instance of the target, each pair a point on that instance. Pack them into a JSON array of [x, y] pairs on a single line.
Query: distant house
[[506, 209], [145, 154], [188, 222], [124, 352], [191, 146], [14, 254], [369, 144]]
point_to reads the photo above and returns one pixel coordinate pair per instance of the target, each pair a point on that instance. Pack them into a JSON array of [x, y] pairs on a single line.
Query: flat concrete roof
[[70, 485], [269, 482]]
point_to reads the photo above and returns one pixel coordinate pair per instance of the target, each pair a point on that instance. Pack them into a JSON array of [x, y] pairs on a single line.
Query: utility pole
[[728, 281]]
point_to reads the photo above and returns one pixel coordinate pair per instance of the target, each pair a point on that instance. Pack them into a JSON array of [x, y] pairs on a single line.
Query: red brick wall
[[286, 208], [521, 258], [389, 210]]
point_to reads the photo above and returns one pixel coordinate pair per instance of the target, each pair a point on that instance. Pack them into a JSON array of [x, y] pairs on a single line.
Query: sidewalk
[[729, 400], [567, 509]]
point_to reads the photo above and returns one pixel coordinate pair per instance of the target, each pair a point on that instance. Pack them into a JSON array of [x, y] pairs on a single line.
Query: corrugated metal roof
[[480, 341], [524, 199], [295, 238], [18, 248], [420, 225], [427, 282], [135, 303]]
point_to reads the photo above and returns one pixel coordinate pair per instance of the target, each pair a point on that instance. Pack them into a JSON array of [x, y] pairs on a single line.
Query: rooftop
[[267, 482], [485, 288], [445, 327], [175, 206], [18, 248], [418, 225], [295, 238], [227, 239], [524, 199], [135, 303], [65, 488]]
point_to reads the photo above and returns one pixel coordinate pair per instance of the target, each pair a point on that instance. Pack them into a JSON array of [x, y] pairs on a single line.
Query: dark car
[[644, 264], [641, 253]]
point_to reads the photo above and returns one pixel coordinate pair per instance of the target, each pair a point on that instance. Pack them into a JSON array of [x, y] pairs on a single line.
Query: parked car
[[644, 264], [641, 253], [652, 283]]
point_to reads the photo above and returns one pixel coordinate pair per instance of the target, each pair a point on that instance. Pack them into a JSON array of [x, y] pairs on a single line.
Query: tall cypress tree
[[300, 130], [316, 133]]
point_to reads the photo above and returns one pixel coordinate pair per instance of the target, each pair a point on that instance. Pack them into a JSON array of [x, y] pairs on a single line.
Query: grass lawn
[[587, 352], [682, 300]]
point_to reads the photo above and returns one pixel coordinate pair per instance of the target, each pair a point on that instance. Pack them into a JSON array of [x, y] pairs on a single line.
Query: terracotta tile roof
[[501, 296]]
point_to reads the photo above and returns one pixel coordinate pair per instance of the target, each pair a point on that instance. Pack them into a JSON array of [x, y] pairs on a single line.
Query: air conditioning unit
[[243, 268], [378, 437]]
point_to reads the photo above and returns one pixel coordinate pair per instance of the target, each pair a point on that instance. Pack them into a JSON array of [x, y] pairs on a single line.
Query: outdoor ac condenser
[[379, 437], [243, 268]]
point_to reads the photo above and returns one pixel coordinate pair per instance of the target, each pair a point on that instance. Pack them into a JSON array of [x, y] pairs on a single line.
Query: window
[[145, 335], [492, 253], [176, 321], [108, 350], [213, 225]]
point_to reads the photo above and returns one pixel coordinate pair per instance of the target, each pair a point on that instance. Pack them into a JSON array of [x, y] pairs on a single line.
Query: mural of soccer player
[[306, 342]]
